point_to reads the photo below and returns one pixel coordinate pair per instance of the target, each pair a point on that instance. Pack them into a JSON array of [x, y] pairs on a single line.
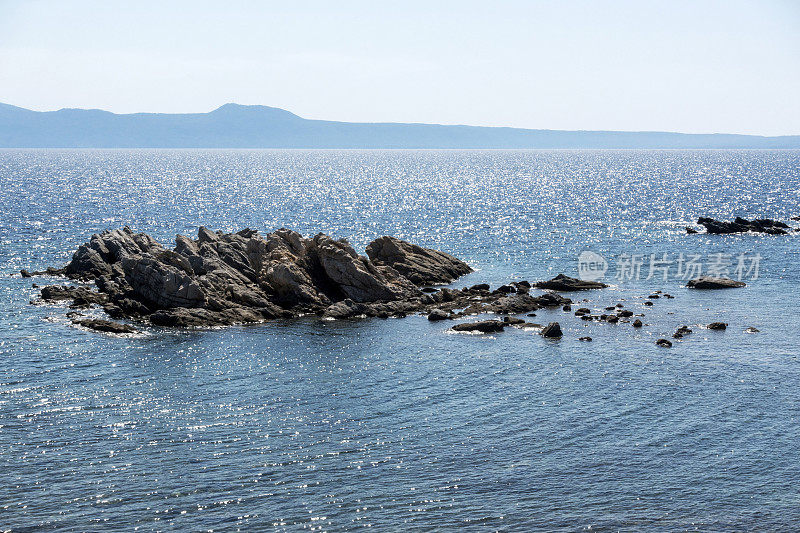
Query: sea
[[398, 424]]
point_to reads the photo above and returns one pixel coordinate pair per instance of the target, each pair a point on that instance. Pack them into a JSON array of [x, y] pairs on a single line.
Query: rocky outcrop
[[566, 283], [422, 266], [232, 278], [742, 225], [708, 282]]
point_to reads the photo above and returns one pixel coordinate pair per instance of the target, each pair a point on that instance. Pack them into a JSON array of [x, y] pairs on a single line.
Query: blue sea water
[[396, 424]]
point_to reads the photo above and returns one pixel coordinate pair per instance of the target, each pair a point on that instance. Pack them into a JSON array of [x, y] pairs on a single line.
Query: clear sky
[[691, 66]]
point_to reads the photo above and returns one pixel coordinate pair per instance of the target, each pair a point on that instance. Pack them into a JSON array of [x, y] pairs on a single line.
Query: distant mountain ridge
[[254, 126]]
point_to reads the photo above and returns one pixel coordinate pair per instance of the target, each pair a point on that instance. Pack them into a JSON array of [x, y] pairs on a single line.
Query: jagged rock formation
[[742, 225], [227, 278], [422, 266]]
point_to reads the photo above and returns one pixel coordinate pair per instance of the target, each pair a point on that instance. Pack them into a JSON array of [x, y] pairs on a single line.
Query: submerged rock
[[106, 326], [708, 282], [566, 283], [483, 326]]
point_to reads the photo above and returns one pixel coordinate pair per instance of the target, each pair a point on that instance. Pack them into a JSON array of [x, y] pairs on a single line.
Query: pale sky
[[691, 66]]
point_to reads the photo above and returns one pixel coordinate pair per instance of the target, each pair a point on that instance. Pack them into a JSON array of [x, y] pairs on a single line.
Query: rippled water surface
[[396, 424]]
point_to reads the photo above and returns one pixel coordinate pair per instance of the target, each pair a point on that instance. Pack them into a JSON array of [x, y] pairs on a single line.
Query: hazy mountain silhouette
[[239, 126]]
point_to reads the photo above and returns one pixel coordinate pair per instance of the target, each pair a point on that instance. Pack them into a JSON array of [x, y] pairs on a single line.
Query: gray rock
[[438, 314]]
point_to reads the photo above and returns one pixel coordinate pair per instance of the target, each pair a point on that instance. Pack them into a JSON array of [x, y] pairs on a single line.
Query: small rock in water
[[552, 330], [585, 339], [567, 308], [612, 319], [752, 330], [624, 313], [664, 343], [648, 302], [718, 326], [690, 230], [583, 311], [684, 330], [637, 323], [511, 320]]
